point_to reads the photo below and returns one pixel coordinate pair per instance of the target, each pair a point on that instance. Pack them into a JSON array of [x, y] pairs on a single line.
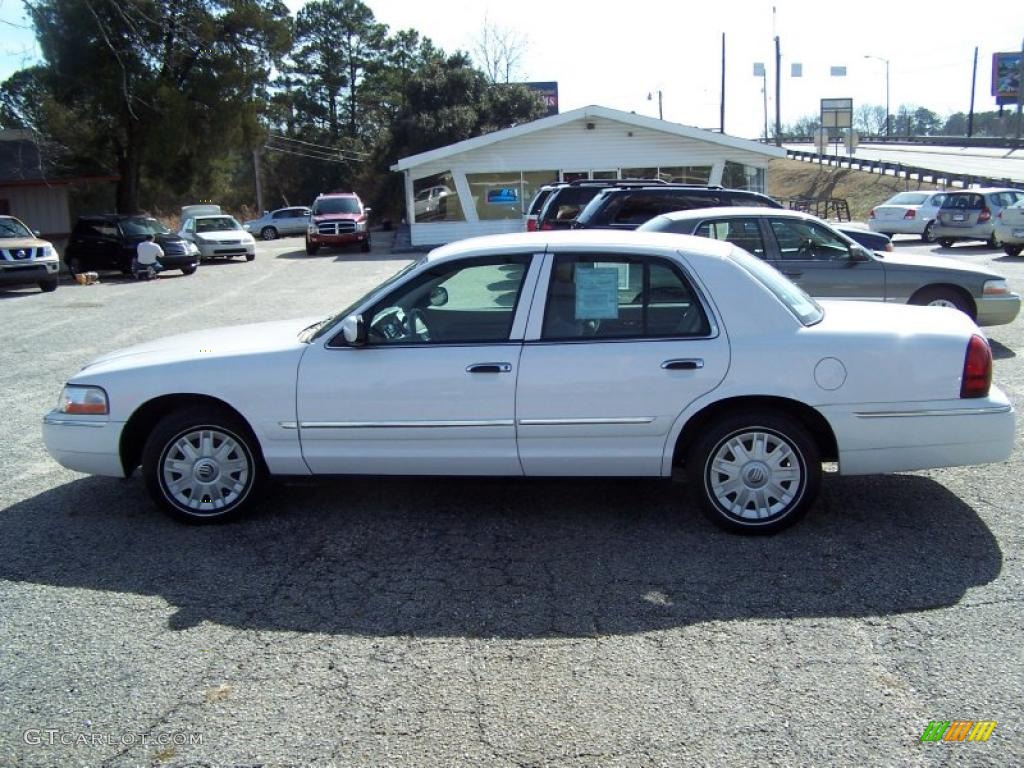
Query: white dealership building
[[481, 185]]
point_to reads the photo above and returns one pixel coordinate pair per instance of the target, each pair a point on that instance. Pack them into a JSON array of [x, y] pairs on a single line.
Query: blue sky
[[616, 54]]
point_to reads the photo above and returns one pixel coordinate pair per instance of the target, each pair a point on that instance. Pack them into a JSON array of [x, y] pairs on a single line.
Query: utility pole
[[974, 80], [721, 118], [259, 181], [778, 93]]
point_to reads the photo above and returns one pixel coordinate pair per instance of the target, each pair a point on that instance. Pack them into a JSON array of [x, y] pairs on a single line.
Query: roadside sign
[[1006, 76], [837, 113]]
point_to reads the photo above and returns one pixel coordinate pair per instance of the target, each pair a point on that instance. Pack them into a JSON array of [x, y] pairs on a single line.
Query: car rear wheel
[[202, 465], [946, 242], [48, 286], [943, 297], [268, 233], [927, 235], [755, 472], [1013, 250]]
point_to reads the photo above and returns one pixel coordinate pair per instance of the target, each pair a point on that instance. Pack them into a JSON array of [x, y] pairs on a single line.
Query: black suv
[[568, 198], [629, 206], [108, 242]]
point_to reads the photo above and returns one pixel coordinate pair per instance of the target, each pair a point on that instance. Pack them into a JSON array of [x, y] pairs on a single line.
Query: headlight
[[249, 240], [360, 226], [193, 249], [48, 252], [995, 288], [79, 399]]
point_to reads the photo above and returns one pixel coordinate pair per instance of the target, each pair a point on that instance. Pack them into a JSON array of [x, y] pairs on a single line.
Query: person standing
[[147, 258]]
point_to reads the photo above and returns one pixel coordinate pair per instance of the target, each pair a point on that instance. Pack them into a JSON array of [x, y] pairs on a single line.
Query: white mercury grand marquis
[[550, 353]]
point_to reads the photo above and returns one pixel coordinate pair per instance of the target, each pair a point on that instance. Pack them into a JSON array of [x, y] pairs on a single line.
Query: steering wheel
[[416, 324], [806, 249]]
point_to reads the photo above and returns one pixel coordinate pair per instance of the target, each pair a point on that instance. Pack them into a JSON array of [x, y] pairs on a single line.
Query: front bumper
[[84, 444], [33, 272], [177, 262], [345, 238], [880, 438], [210, 250], [997, 310]]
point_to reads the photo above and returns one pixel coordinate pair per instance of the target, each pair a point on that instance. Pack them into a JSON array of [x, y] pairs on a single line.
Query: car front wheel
[[756, 472], [311, 249], [942, 297], [202, 465], [48, 286], [188, 270]]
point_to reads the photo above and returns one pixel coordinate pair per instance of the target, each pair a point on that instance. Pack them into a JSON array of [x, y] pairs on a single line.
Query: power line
[[279, 137], [311, 157]]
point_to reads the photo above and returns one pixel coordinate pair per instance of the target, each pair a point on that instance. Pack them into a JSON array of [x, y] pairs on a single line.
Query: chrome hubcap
[[755, 475], [942, 303], [205, 470]]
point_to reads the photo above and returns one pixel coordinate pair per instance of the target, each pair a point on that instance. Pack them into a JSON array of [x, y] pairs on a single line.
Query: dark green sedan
[[829, 265]]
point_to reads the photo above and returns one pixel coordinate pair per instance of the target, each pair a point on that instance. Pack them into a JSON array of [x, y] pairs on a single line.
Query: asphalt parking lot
[[431, 622]]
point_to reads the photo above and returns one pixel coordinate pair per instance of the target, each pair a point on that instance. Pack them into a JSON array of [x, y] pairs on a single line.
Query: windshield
[[806, 309], [216, 224], [13, 228], [143, 225], [317, 330], [336, 205]]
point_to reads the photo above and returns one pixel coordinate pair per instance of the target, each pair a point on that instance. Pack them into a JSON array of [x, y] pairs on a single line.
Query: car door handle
[[489, 368], [683, 364]]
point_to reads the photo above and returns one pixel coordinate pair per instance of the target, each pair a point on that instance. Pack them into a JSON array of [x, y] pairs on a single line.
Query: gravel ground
[[406, 622]]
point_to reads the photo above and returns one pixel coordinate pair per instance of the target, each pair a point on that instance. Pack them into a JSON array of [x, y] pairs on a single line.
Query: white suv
[[24, 258]]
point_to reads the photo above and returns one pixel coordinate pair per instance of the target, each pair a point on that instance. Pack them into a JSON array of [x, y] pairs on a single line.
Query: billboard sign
[[836, 113], [1006, 76], [548, 93]]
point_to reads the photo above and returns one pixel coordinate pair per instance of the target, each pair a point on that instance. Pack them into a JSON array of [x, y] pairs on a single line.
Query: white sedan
[[218, 236], [907, 213], [582, 353]]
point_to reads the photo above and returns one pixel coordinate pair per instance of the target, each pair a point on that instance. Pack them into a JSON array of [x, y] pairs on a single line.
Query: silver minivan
[[970, 214]]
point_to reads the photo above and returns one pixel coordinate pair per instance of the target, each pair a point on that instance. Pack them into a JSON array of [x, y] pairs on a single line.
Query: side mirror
[[266, 212], [35, 232], [859, 253], [438, 296], [354, 330], [367, 211]]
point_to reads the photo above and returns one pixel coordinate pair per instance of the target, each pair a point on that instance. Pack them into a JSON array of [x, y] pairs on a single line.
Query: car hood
[[223, 234], [13, 243], [225, 342], [337, 216], [934, 262]]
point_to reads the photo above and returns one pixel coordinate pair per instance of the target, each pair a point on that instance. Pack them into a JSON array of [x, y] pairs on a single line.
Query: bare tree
[[498, 52]]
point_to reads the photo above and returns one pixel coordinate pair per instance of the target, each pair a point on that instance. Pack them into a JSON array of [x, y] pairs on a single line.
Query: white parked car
[[908, 213], [582, 353], [215, 234], [1009, 228]]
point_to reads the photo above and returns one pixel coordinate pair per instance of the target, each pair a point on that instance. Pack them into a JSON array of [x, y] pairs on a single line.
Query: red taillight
[[985, 215], [531, 225], [546, 225], [977, 376], [910, 214], [872, 214], [889, 248]]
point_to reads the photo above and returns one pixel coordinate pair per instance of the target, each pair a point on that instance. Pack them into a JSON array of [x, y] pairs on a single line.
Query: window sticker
[[597, 293]]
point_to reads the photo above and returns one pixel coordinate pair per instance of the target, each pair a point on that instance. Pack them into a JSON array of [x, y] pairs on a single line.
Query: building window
[[502, 195], [739, 176], [534, 180], [436, 199], [677, 174]]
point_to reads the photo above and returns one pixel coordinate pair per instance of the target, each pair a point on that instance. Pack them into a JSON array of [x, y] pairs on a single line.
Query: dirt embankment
[[862, 190]]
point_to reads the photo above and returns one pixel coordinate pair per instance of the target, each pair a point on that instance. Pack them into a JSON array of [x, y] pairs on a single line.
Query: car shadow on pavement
[[503, 558], [1000, 351]]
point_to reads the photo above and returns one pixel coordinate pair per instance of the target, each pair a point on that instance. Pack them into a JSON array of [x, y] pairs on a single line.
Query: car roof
[[737, 211], [340, 194], [597, 240]]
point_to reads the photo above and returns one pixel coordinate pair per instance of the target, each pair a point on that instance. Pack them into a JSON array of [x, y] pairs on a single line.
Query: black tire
[[939, 296], [800, 465], [311, 249], [927, 235], [195, 424], [250, 256], [268, 233], [48, 286], [946, 242], [1012, 250], [994, 242], [188, 270], [365, 246], [74, 265]]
